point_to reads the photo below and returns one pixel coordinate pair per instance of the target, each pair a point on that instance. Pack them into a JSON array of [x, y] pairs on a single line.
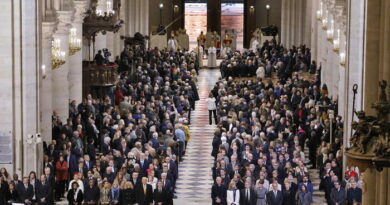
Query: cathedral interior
[[228, 102]]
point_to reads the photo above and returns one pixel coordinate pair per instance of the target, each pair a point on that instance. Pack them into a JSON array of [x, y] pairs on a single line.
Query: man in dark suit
[[167, 185], [274, 196], [247, 195], [144, 193], [43, 191], [91, 193], [160, 194], [109, 175], [143, 163], [338, 195], [16, 180], [218, 192], [135, 180], [25, 191], [88, 164], [354, 194]]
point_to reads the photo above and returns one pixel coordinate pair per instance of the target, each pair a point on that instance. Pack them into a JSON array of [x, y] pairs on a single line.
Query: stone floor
[[195, 176]]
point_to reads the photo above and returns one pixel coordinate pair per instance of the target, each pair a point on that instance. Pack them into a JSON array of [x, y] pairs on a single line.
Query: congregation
[[124, 148], [265, 122]]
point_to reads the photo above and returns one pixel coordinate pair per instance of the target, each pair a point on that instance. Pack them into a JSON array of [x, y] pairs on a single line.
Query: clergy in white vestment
[[254, 44], [212, 57], [172, 44]]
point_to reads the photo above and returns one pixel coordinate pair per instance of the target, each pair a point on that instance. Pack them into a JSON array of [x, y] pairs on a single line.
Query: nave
[[195, 180]]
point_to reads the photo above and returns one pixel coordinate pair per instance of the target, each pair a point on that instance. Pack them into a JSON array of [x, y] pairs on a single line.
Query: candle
[[43, 70]]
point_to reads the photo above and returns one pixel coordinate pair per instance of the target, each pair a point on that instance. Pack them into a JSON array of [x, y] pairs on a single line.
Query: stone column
[[60, 80], [48, 29], [214, 16], [249, 21], [178, 14], [293, 26], [75, 61]]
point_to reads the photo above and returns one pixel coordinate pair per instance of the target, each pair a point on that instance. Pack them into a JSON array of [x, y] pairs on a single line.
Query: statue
[[372, 133]]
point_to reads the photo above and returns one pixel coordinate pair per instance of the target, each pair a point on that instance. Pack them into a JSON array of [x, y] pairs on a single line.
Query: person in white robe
[[212, 57], [254, 44], [260, 72], [172, 44]]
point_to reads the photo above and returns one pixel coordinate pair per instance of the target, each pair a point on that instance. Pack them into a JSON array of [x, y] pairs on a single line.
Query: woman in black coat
[[127, 195], [75, 195], [12, 195]]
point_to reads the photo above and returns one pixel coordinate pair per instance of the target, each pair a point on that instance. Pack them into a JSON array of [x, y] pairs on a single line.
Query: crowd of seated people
[[263, 128], [123, 149]]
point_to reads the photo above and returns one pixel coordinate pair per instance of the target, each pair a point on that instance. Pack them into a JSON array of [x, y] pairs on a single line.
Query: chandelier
[[57, 56], [329, 32], [319, 13], [336, 42], [74, 42]]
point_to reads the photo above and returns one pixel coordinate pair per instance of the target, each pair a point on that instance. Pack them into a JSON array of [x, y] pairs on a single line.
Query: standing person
[[144, 193], [274, 196], [43, 191], [104, 193], [127, 195], [4, 190], [25, 191], [304, 196], [218, 192], [92, 193], [75, 194], [337, 195], [247, 195], [354, 194], [12, 196], [114, 194], [233, 194], [61, 177], [160, 195], [261, 193], [212, 107]]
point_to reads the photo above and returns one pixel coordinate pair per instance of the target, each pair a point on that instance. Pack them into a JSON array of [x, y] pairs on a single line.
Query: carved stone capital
[[64, 22], [48, 30], [80, 9]]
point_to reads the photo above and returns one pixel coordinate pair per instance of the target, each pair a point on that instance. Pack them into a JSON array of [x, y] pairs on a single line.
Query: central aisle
[[195, 176]]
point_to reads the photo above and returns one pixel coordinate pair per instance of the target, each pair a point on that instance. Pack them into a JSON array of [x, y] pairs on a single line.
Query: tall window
[[195, 21], [232, 17]]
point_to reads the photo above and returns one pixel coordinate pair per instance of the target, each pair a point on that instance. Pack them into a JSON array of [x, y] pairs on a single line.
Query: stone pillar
[[299, 23], [137, 16], [178, 14], [249, 21], [293, 23], [48, 29], [60, 80], [75, 61], [19, 80], [214, 16]]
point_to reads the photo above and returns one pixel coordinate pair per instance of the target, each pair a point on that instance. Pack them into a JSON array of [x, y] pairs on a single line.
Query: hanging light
[[319, 13], [43, 70], [57, 56], [329, 32], [336, 42], [342, 58], [325, 21], [74, 42]]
